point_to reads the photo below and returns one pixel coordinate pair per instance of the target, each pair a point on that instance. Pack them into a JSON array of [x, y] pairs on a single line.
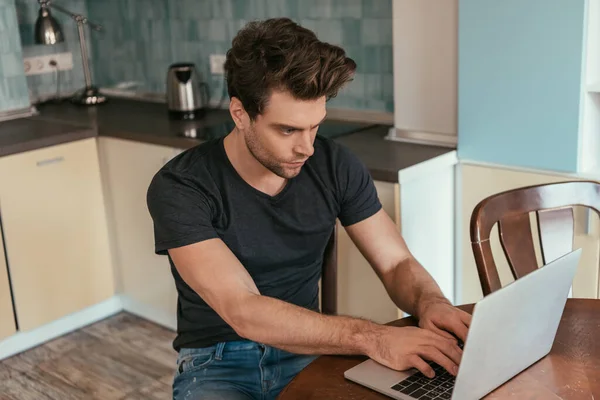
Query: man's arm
[[408, 284], [214, 272]]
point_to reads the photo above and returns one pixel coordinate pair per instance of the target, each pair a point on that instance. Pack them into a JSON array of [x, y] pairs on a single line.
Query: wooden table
[[570, 371]]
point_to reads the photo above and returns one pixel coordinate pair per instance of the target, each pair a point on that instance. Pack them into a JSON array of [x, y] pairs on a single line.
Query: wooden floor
[[121, 357]]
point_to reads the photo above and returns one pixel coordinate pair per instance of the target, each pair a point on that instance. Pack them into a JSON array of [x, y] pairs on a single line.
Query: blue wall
[[519, 82], [13, 86]]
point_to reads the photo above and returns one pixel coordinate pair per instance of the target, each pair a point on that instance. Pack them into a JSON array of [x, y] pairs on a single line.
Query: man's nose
[[305, 145]]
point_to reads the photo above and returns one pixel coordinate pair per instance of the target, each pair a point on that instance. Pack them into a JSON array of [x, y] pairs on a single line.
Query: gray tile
[[222, 9], [356, 53], [310, 24], [3, 94], [257, 9], [179, 30], [373, 86], [375, 104], [389, 106], [11, 65], [152, 9], [217, 30], [387, 59], [387, 84], [196, 9], [351, 31], [377, 31], [5, 44], [280, 8], [346, 9], [160, 35], [377, 59], [239, 8], [329, 31], [371, 59], [190, 29], [204, 33], [293, 8], [355, 88], [218, 89], [4, 10], [99, 10], [26, 34], [17, 91], [377, 8], [315, 9]]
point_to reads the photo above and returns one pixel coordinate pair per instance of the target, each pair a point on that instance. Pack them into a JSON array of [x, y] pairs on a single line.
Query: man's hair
[[279, 54]]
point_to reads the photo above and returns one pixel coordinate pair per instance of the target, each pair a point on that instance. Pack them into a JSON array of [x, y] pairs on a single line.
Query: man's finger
[[451, 350], [438, 357], [466, 318], [441, 332], [422, 366], [456, 326]]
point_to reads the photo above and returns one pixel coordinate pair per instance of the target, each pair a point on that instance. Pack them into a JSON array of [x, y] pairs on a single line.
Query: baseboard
[[22, 341], [159, 317]]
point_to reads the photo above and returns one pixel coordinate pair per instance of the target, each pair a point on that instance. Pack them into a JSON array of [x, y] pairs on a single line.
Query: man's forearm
[[298, 330], [411, 287]]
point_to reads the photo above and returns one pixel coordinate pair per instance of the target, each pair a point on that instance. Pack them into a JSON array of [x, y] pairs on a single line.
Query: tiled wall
[[13, 87], [44, 85], [143, 37]]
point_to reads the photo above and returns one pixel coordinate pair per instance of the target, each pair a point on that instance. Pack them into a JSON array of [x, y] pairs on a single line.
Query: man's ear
[[238, 114]]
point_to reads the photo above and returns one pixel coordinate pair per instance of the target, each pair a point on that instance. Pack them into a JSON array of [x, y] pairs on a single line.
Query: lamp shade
[[47, 29]]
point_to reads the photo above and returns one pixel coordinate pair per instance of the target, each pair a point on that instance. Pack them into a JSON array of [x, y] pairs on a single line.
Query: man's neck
[[249, 168]]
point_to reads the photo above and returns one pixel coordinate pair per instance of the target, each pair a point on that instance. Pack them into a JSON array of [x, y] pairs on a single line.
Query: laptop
[[511, 329]]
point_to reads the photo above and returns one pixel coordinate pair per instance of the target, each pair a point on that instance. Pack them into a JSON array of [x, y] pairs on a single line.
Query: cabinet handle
[[50, 161]]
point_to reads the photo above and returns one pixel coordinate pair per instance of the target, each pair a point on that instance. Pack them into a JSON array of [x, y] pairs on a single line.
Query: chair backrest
[[329, 276], [553, 204]]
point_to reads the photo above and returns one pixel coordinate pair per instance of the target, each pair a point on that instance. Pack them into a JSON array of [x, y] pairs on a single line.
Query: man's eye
[[288, 131]]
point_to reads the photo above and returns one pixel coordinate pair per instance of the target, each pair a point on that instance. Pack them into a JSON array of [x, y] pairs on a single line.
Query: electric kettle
[[187, 97]]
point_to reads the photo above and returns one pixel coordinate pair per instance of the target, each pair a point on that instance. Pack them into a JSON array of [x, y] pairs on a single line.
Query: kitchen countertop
[[149, 123]]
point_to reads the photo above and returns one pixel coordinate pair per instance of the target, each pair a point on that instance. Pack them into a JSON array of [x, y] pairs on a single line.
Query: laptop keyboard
[[419, 386]]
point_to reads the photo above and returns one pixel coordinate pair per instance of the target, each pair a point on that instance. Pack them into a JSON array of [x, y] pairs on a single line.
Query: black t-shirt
[[280, 239]]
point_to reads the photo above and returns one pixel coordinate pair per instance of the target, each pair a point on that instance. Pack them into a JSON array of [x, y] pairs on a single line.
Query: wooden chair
[[329, 277], [510, 209]]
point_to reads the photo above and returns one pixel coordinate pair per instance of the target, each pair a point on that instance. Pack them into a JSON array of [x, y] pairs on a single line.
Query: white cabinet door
[[145, 279], [55, 231]]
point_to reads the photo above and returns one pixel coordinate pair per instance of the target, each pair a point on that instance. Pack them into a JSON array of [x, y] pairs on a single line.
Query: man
[[245, 220]]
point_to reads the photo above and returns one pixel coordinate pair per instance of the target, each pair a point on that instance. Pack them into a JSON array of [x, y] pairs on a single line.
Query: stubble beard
[[254, 147]]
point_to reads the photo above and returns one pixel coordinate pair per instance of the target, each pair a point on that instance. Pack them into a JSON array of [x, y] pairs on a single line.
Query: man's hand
[[442, 318], [407, 347]]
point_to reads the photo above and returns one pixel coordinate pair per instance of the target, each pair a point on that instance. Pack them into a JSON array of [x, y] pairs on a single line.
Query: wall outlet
[[216, 64], [41, 64]]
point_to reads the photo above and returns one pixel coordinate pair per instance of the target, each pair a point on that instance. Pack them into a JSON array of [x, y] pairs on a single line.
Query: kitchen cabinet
[[7, 317], [55, 231], [479, 182], [144, 279], [360, 291]]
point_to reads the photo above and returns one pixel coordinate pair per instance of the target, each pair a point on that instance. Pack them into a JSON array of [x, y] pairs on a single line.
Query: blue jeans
[[238, 370]]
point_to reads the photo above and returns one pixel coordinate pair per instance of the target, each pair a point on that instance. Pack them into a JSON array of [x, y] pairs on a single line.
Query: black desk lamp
[[48, 31]]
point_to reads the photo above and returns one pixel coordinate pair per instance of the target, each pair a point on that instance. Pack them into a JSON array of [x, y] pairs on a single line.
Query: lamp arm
[[76, 17]]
